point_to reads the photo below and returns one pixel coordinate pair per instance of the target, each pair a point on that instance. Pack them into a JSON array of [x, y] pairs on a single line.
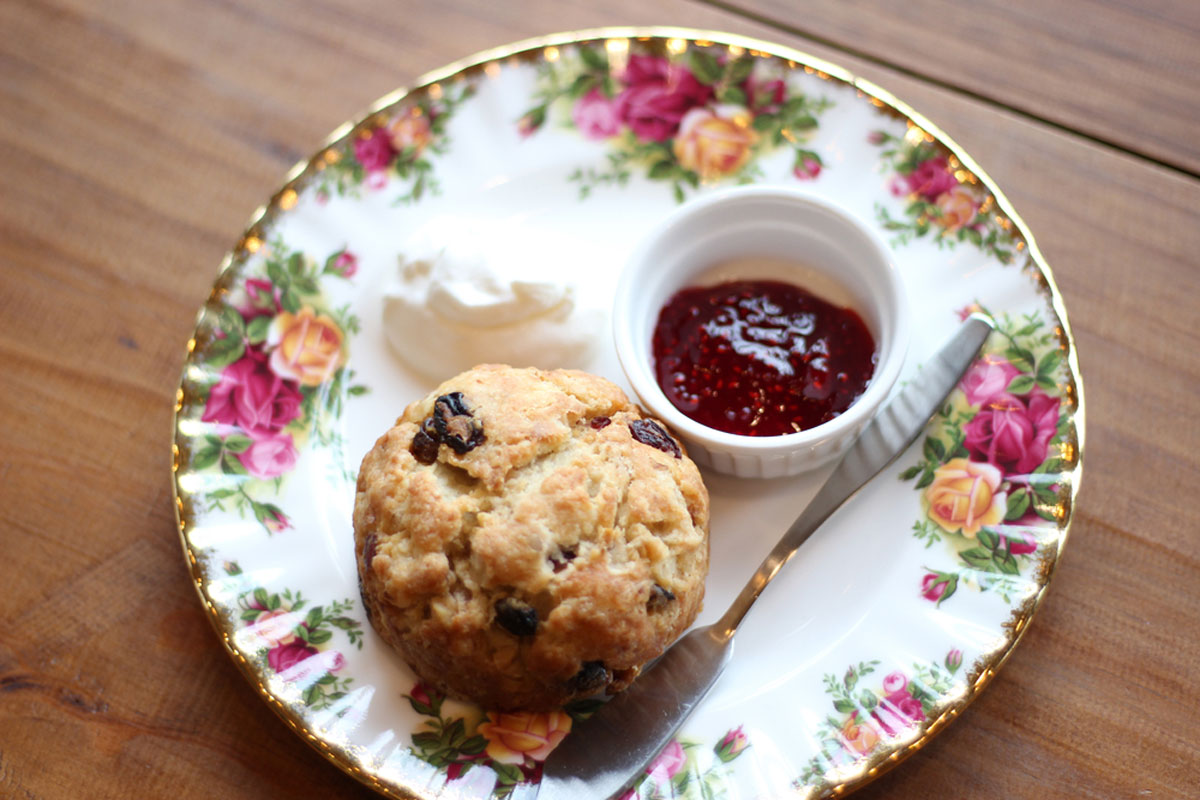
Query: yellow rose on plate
[[857, 738], [958, 207], [715, 142], [305, 347], [513, 737], [276, 627], [411, 130], [965, 496]]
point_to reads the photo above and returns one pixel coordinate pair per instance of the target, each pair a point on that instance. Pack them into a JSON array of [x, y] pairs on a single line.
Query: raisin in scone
[[525, 537]]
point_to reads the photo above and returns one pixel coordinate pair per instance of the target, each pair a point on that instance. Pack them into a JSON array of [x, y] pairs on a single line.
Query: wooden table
[[136, 139]]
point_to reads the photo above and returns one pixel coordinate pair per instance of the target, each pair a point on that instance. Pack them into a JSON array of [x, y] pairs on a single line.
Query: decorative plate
[[891, 619]]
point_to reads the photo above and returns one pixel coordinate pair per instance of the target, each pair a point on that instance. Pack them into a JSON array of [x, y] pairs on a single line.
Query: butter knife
[[605, 753]]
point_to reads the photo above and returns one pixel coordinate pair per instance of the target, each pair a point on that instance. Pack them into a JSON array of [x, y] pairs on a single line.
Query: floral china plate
[[893, 617]]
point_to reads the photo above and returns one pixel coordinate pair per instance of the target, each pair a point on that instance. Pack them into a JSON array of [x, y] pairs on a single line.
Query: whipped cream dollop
[[469, 292]]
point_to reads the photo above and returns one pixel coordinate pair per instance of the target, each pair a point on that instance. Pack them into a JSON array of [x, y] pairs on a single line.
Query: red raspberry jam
[[760, 358]]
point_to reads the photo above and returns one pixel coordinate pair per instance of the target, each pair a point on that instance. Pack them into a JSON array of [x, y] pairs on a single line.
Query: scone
[[526, 537]]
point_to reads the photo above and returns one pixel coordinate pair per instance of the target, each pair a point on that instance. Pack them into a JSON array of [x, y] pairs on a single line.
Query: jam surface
[[760, 358]]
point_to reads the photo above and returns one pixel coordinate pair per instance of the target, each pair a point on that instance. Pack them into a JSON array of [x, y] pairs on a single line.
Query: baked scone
[[526, 537]]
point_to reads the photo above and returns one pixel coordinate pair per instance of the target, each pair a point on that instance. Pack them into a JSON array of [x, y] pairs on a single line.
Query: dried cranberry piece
[[566, 556], [660, 598], [424, 448], [370, 546], [592, 676], [519, 619], [649, 432], [600, 422], [454, 423]]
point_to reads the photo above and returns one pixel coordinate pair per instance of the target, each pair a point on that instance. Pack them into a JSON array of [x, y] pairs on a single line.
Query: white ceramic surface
[[763, 233], [886, 624]]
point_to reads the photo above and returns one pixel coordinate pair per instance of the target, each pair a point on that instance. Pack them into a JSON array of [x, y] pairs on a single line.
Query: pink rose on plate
[[303, 663], [420, 694], [1013, 433], [899, 711], [656, 96], [531, 122], [251, 396], [933, 586], [346, 264], [931, 178], [374, 150], [276, 521], [668, 763], [987, 377], [895, 682], [269, 455], [286, 657], [595, 116], [263, 299], [1020, 543], [807, 169], [732, 744], [910, 707]]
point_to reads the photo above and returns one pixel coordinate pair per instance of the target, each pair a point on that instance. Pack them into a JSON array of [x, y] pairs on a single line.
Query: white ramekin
[[808, 241]]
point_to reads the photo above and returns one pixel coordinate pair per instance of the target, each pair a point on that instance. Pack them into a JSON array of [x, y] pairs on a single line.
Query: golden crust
[[601, 538]]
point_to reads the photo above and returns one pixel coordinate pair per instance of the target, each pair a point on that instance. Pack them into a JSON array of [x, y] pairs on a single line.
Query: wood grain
[[1120, 72], [136, 139]]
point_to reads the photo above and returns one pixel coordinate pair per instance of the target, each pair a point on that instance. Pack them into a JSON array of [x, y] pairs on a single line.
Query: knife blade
[[606, 752]]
